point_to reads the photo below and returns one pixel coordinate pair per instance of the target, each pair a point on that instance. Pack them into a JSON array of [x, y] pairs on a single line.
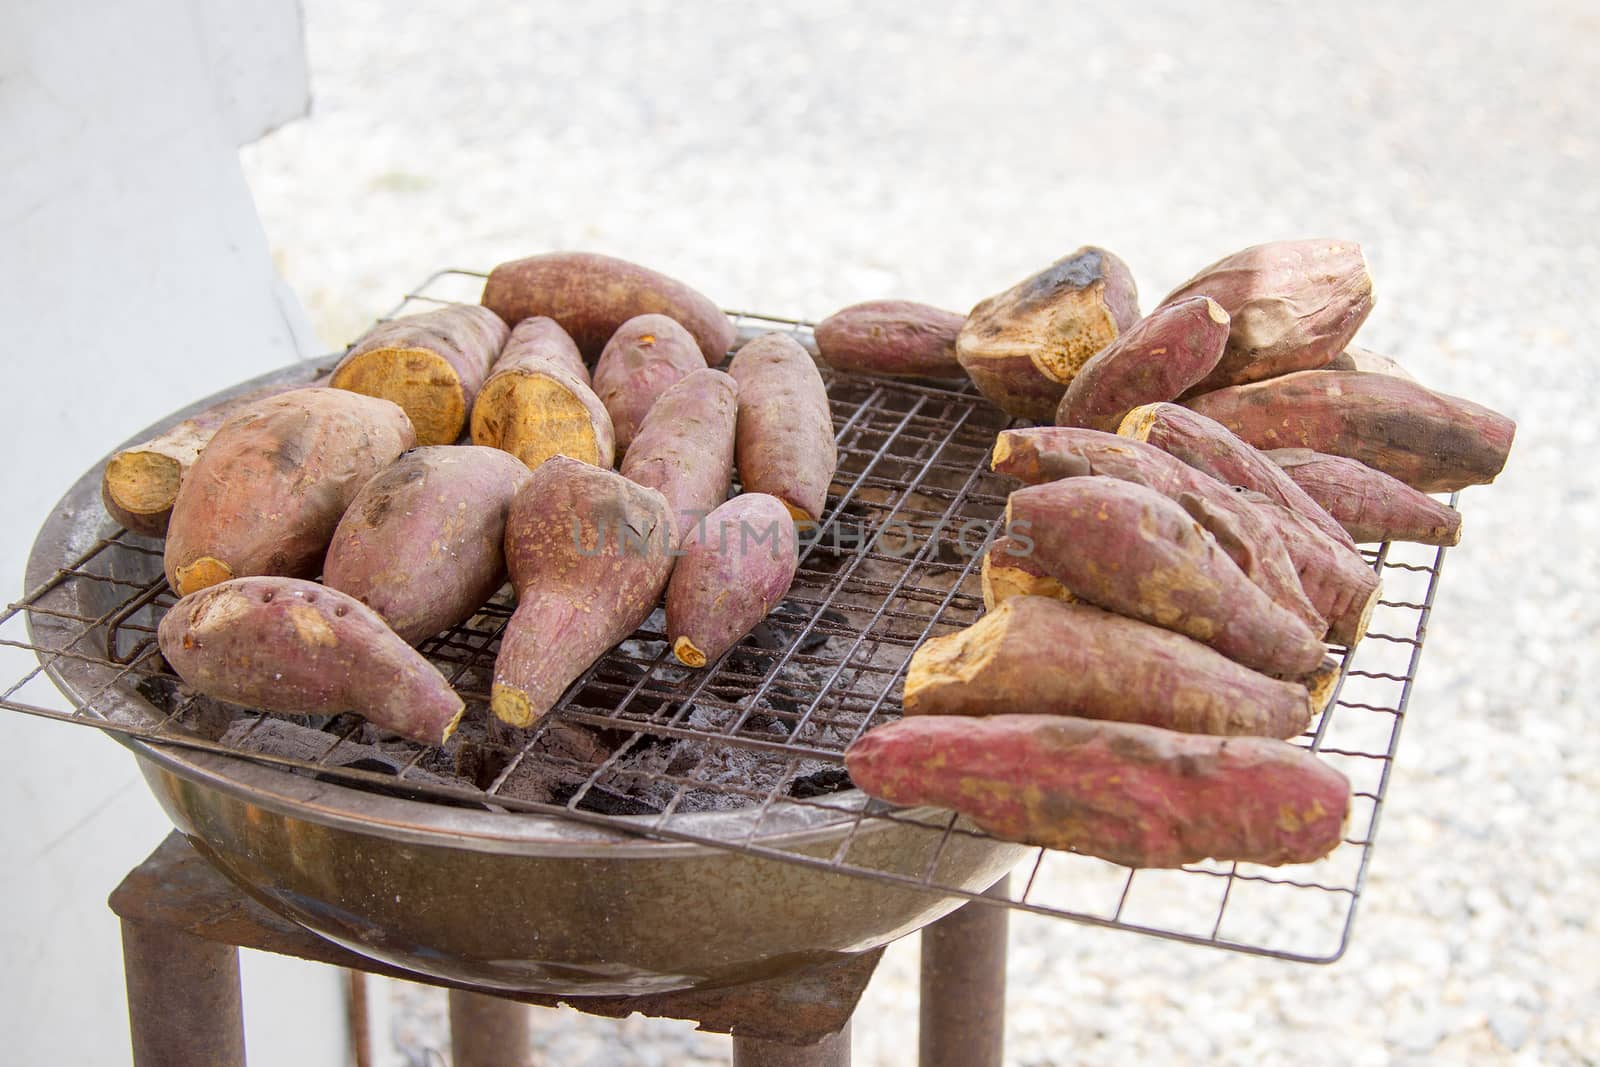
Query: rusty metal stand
[[183, 925], [963, 1006]]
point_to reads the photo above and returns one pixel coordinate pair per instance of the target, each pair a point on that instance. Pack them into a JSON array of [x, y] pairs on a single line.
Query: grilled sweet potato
[[1022, 347], [537, 402], [288, 645], [646, 356], [1433, 442], [1370, 505], [431, 364], [1041, 656], [895, 338], [1009, 569], [422, 544], [784, 443], [589, 554], [591, 296], [1132, 794], [1337, 580], [269, 489], [1364, 359], [684, 448], [735, 568], [1294, 305], [1130, 550], [1159, 358]]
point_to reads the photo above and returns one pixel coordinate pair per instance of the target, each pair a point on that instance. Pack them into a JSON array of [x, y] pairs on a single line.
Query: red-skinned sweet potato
[[1294, 305], [894, 338], [1368, 361], [1023, 346], [1369, 504], [591, 296], [589, 554], [1337, 580], [735, 567], [269, 489], [1132, 794], [645, 357], [784, 443], [537, 402], [684, 448], [289, 645], [1041, 656], [431, 364], [1433, 442], [422, 544], [1159, 358], [1129, 549], [1009, 569]]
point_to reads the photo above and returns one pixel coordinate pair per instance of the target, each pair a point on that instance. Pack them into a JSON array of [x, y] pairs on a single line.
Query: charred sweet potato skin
[[422, 543], [784, 441], [1159, 358], [1042, 656], [268, 491], [1130, 550], [1131, 794], [1433, 442], [289, 645], [684, 448], [591, 296], [892, 338], [646, 356], [735, 567], [1370, 505]]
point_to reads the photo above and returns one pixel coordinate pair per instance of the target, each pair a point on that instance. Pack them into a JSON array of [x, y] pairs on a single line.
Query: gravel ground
[[796, 159]]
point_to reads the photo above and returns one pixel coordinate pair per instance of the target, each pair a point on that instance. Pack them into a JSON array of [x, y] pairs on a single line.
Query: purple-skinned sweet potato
[[589, 553], [1132, 794], [1129, 549], [591, 296], [894, 338], [422, 544], [1022, 347], [1159, 358], [1294, 305], [734, 568], [1041, 656], [784, 442], [645, 357], [266, 494], [1336, 579], [1433, 442], [431, 364], [289, 645], [1009, 569], [537, 401], [684, 448], [1369, 504]]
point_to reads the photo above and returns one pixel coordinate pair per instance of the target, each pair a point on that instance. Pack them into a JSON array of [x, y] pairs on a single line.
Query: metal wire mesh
[[895, 562]]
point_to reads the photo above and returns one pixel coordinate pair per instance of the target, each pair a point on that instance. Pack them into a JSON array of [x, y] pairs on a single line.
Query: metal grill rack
[[895, 562]]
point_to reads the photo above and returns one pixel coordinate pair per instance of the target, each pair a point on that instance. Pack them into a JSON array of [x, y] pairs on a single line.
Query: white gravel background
[[797, 158]]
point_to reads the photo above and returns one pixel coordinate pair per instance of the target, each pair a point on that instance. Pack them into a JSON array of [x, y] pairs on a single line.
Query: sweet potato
[[1210, 447], [1364, 359], [1129, 549], [646, 356], [684, 448], [1294, 305], [431, 364], [591, 296], [896, 338], [422, 544], [1009, 569], [1040, 656], [1323, 683], [1433, 442], [589, 554], [1370, 505], [784, 444], [289, 645], [537, 402], [1132, 794], [1157, 359], [1022, 347], [269, 489], [735, 567], [1336, 579]]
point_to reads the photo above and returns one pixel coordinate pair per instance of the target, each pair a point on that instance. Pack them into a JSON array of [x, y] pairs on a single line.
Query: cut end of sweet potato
[[1359, 629], [534, 417], [1137, 424], [1320, 685], [143, 483], [511, 706], [451, 726], [1217, 313], [202, 574], [687, 653], [1001, 581], [422, 382], [1002, 451], [800, 515], [955, 659]]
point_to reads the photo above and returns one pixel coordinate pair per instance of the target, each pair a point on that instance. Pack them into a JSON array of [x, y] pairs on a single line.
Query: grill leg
[[963, 1021], [831, 1051], [184, 1003], [486, 1031]]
